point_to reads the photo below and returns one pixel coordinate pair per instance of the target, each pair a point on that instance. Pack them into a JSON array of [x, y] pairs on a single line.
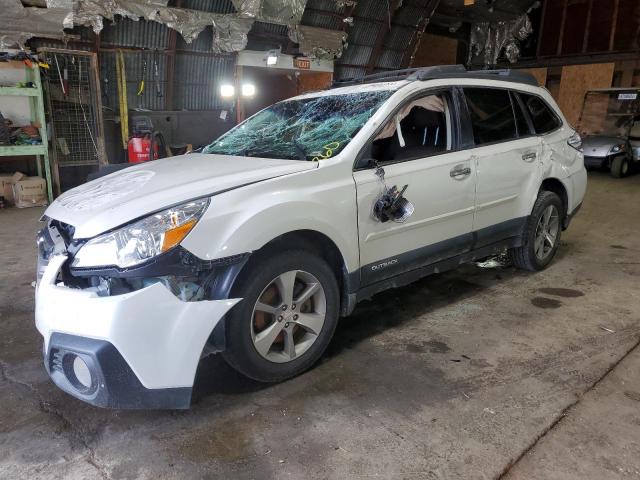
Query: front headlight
[[617, 148], [139, 241]]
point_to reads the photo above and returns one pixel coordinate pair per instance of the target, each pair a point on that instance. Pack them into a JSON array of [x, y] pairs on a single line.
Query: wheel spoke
[[307, 293], [311, 322], [263, 307], [284, 284], [265, 339], [547, 216], [538, 246], [549, 239], [289, 344]]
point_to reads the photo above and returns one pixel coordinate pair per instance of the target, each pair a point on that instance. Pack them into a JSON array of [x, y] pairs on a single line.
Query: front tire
[[620, 166], [287, 316], [542, 234]]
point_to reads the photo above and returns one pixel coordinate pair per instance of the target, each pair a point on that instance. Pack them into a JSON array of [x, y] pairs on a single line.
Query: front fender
[[245, 219]]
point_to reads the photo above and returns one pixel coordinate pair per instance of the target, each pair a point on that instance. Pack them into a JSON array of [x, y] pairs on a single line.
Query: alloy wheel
[[547, 232], [288, 316]]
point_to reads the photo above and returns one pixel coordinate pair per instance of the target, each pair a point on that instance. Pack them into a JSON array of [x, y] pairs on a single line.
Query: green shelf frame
[[17, 150], [19, 92], [36, 104]]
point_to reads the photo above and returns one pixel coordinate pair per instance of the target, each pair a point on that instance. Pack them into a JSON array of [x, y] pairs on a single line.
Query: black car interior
[[424, 132]]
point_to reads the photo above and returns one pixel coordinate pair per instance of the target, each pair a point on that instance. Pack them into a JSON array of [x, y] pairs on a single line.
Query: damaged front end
[[129, 337]]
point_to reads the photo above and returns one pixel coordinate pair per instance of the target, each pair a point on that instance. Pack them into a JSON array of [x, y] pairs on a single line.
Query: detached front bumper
[[135, 350], [596, 162]]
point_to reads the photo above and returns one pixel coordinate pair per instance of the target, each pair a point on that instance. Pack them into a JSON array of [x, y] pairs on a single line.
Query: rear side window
[[543, 118], [491, 114]]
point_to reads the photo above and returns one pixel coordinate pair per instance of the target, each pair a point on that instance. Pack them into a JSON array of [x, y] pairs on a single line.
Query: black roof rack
[[442, 71]]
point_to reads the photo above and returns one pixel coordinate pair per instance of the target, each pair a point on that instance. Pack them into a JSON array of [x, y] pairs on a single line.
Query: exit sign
[[302, 63]]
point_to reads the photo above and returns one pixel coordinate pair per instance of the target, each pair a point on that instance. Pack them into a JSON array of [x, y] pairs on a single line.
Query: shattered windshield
[[609, 113], [312, 128]]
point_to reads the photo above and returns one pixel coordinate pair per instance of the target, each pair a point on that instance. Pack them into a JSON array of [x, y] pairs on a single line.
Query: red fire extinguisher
[[144, 141]]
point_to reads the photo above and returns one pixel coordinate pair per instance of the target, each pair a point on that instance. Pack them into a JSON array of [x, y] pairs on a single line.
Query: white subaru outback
[[256, 246]]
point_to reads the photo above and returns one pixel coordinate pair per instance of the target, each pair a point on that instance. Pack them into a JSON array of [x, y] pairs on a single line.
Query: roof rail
[[440, 72], [391, 75]]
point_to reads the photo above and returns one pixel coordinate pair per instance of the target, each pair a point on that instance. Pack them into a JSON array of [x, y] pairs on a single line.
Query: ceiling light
[[248, 89], [227, 90]]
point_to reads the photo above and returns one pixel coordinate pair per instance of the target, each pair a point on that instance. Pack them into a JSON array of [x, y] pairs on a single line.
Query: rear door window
[[543, 118], [492, 115]]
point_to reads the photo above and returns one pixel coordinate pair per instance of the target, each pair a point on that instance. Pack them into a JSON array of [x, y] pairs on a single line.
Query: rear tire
[[620, 166], [541, 236], [264, 340]]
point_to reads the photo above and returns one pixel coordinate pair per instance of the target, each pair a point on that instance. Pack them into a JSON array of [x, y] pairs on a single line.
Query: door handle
[[529, 157], [459, 171]]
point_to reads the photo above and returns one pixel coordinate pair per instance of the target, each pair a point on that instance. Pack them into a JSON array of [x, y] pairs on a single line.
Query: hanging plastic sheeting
[[280, 12], [91, 12], [318, 42], [18, 24], [230, 33], [230, 30], [248, 8], [493, 39]]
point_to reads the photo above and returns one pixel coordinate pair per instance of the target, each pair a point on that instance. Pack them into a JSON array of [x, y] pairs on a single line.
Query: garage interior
[[481, 372]]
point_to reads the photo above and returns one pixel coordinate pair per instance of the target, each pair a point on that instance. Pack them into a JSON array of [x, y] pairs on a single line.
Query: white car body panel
[[507, 180], [443, 206], [120, 197], [244, 220], [163, 349]]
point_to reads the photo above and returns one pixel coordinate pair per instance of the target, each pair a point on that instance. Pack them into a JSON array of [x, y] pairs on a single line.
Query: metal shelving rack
[[36, 104]]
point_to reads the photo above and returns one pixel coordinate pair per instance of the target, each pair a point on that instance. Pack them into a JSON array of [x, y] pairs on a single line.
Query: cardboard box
[[6, 188], [30, 192]]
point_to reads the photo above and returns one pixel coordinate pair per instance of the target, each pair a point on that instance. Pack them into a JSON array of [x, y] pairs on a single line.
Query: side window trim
[[464, 128], [515, 99], [453, 111]]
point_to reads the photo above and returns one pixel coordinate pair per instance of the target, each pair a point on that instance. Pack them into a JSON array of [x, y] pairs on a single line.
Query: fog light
[[78, 373], [81, 372]]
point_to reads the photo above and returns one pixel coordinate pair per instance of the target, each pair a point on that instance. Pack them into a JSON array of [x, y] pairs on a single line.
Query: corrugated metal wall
[[200, 77]]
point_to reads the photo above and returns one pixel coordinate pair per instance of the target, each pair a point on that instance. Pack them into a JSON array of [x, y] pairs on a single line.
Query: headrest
[[422, 117]]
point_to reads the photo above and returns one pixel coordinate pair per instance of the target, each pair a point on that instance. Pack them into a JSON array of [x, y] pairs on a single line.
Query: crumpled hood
[[599, 145], [118, 198]]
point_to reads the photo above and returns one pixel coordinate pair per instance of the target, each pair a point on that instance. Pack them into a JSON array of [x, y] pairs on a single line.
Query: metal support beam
[[171, 66], [585, 39], [562, 23], [381, 37], [614, 24], [543, 16]]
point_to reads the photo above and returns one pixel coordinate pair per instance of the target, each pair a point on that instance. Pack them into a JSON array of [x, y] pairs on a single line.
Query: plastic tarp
[[18, 23], [280, 12], [492, 39], [318, 42], [230, 30]]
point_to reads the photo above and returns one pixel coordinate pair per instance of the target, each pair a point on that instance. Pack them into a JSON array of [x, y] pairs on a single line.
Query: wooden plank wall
[[540, 74], [576, 80], [436, 50]]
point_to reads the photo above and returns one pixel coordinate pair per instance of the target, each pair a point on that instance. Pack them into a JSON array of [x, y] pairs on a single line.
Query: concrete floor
[[473, 374]]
